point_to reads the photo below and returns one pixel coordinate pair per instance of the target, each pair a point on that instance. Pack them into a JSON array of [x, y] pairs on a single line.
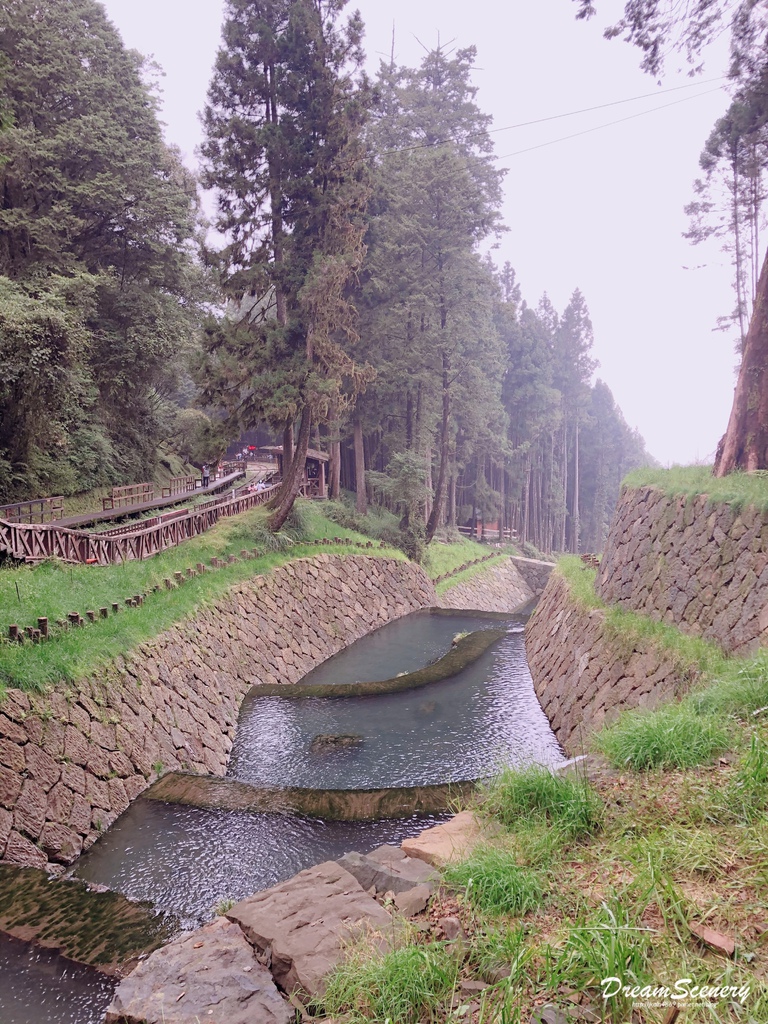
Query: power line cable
[[608, 124], [557, 117]]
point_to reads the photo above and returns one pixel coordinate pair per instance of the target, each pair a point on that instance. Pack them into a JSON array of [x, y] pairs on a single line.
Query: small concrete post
[[42, 625]]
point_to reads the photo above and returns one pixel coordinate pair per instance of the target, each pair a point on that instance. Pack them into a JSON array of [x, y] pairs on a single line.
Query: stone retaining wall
[[700, 566], [73, 759], [584, 675], [502, 587]]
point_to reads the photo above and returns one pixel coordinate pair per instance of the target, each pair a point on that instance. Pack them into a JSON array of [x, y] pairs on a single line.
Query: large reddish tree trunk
[[745, 444]]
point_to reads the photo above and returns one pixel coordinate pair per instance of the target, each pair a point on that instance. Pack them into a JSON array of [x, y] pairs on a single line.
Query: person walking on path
[[206, 476]]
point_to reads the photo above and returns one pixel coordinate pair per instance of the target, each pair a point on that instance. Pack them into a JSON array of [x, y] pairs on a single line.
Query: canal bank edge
[[74, 758], [692, 562], [584, 673]]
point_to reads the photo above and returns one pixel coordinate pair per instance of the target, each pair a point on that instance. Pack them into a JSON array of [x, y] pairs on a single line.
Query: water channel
[[188, 860]]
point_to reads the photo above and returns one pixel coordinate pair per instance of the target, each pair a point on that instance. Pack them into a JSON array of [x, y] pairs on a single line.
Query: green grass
[[442, 558], [736, 489], [747, 796], [740, 687], [673, 736], [54, 589], [408, 985], [495, 883], [609, 943], [564, 802]]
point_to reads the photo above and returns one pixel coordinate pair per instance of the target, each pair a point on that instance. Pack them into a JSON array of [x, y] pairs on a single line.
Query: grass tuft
[[408, 985], [495, 883], [674, 736], [747, 796], [565, 802], [610, 943]]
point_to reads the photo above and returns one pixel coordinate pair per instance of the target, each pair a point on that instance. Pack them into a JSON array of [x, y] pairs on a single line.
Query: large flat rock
[[388, 869], [210, 975], [301, 926], [452, 841]]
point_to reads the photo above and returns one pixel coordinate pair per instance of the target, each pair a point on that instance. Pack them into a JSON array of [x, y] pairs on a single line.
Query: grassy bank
[[629, 627], [737, 489], [611, 873], [54, 589]]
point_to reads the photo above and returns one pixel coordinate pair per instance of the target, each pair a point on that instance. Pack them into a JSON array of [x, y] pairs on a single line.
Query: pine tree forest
[[347, 299]]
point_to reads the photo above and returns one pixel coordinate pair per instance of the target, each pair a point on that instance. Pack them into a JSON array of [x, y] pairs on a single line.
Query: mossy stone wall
[[584, 673], [700, 566]]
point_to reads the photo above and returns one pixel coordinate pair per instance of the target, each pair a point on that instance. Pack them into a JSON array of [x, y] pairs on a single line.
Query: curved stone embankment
[[330, 804], [73, 759], [463, 652], [584, 674], [700, 566], [502, 587]]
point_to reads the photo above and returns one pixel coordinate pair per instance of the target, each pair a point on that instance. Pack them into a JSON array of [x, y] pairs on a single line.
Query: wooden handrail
[[36, 542]]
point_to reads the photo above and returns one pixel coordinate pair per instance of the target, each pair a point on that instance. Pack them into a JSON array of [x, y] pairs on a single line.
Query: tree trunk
[[576, 538], [361, 500], [452, 497], [286, 496], [564, 510], [287, 448], [437, 509], [334, 443], [745, 444]]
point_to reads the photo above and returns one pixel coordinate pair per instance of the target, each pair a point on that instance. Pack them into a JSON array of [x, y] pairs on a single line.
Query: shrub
[[674, 736]]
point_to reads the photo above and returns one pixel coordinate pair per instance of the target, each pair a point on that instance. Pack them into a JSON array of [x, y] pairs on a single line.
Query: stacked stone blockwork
[[584, 674], [73, 759], [700, 566]]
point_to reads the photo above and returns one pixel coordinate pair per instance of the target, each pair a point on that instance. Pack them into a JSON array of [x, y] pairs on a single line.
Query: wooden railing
[[129, 494], [36, 542], [41, 510], [180, 485]]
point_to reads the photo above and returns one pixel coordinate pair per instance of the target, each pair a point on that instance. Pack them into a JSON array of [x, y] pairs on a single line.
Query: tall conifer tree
[[283, 152]]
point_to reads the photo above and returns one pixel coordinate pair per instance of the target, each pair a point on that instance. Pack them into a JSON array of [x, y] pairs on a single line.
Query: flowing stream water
[[188, 860]]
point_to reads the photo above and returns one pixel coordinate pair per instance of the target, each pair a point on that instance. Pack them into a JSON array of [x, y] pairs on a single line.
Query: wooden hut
[[315, 482]]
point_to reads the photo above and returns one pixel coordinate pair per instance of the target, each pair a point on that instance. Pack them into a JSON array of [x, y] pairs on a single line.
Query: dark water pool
[[40, 987], [188, 860]]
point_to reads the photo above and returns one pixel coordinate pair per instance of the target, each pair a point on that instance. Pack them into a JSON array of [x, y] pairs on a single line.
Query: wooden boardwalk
[[73, 522], [34, 542]]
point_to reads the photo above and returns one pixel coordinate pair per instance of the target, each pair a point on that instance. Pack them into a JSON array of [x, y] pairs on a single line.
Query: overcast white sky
[[602, 212]]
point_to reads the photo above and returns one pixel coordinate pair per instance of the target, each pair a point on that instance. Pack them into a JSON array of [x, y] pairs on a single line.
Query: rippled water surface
[[459, 728], [188, 860], [404, 645], [40, 987]]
